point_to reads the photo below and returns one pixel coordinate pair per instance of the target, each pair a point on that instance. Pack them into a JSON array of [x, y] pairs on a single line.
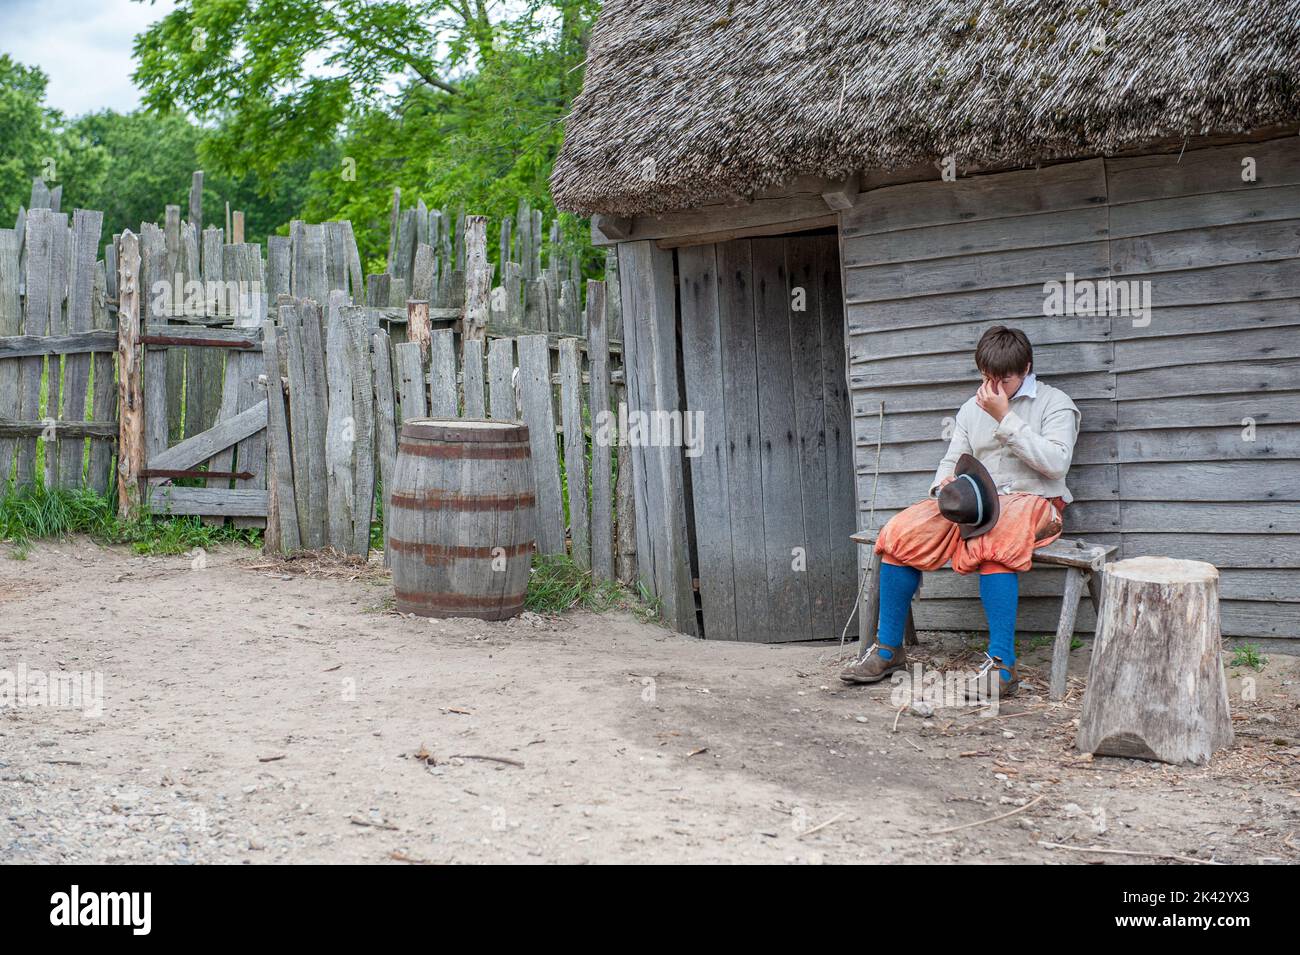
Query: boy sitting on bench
[[1000, 494]]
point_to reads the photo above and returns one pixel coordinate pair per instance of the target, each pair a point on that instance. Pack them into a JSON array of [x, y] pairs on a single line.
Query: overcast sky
[[83, 45]]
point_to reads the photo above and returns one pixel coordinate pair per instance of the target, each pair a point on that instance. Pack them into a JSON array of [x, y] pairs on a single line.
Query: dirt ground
[[253, 713]]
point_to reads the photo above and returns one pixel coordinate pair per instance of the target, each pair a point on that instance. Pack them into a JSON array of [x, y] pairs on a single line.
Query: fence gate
[[233, 483], [203, 403]]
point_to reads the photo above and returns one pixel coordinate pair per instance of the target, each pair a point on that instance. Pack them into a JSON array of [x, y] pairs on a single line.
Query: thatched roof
[[687, 101]]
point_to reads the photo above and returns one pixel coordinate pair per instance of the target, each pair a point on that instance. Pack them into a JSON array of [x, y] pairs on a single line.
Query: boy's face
[[1007, 384]]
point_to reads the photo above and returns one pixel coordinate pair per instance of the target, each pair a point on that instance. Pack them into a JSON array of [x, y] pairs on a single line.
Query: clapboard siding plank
[[1261, 204], [1039, 615], [1035, 615], [990, 270], [1092, 447], [1092, 392], [1268, 442], [1056, 188], [1225, 378], [1080, 357], [1266, 344], [1098, 482], [1200, 247], [1210, 411], [1213, 170], [1210, 481], [1245, 282], [1071, 227], [1098, 521], [1184, 320], [1222, 550], [910, 427], [906, 342], [1210, 517]]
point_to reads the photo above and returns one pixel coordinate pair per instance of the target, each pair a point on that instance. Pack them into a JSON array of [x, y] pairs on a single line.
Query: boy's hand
[[946, 481], [991, 398]]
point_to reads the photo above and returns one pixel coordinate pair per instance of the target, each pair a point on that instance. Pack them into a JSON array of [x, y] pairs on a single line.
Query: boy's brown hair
[[1004, 351]]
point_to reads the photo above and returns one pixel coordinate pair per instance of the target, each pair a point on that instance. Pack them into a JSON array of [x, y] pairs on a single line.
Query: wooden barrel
[[461, 518]]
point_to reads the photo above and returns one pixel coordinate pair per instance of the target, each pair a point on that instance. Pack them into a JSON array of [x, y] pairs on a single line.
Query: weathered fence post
[[417, 325], [280, 499], [478, 280], [539, 415], [386, 423], [130, 396], [575, 449], [602, 497]]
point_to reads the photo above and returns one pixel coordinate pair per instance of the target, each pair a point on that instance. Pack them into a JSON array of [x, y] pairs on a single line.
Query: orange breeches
[[923, 538]]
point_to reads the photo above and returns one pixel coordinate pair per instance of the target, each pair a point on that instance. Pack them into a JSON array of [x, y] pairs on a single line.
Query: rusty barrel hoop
[[462, 517]]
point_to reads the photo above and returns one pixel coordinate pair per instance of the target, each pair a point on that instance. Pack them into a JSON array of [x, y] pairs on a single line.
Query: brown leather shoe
[[980, 688], [871, 667]]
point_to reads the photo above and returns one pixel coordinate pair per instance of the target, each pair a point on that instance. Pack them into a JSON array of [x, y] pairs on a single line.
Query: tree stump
[[1156, 688]]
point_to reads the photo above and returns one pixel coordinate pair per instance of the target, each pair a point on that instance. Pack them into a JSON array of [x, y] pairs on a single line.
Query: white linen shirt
[[1028, 451]]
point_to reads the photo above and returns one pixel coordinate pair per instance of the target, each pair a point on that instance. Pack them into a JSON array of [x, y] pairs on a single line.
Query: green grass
[[1248, 655], [1049, 639], [558, 584], [37, 513]]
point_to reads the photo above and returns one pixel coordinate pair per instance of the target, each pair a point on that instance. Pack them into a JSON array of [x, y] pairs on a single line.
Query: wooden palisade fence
[[57, 417], [267, 386]]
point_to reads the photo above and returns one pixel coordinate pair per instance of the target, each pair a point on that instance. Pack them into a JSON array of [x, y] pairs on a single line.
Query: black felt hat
[[970, 500]]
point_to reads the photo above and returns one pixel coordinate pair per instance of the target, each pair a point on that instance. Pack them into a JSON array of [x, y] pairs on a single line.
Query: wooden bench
[[1083, 562]]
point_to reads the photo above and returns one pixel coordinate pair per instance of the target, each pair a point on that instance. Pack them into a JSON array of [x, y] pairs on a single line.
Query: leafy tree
[[437, 97], [35, 142], [150, 160]]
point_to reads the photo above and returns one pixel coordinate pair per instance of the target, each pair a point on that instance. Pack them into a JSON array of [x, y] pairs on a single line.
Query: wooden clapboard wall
[[1162, 465], [772, 489], [1222, 351]]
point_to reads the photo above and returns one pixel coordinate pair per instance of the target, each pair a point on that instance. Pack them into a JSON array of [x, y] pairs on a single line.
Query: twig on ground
[[809, 832], [980, 822], [1129, 852], [490, 759]]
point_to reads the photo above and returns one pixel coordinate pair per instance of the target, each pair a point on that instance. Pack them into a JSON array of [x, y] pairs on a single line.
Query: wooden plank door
[[772, 484]]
